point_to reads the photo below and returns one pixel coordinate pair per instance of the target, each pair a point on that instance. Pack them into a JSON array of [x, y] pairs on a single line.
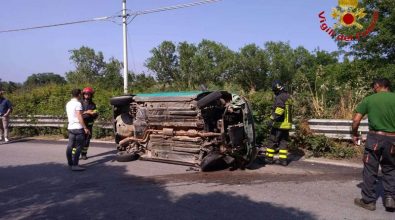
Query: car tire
[[118, 138], [126, 157], [121, 100], [206, 100], [252, 158], [213, 162]]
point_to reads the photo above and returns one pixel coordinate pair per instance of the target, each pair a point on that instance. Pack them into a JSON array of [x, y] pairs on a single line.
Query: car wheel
[[121, 100], [213, 162], [118, 138], [206, 100], [126, 157], [252, 157]]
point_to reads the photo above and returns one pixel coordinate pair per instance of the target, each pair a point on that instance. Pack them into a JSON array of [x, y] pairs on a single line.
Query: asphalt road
[[36, 183]]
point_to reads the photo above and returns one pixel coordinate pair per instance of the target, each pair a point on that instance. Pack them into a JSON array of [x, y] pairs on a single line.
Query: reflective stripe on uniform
[[283, 151], [279, 111], [270, 150], [283, 125], [287, 123], [283, 156], [269, 155]]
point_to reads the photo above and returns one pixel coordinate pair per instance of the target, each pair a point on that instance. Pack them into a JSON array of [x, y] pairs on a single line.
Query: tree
[[89, 66], [250, 68], [325, 58], [10, 86], [379, 46], [374, 55], [112, 75], [164, 62], [141, 82], [281, 60], [187, 70], [41, 79], [189, 66], [212, 63]]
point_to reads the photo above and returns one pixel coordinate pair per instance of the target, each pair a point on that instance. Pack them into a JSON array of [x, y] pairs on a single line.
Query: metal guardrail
[[47, 121], [339, 129]]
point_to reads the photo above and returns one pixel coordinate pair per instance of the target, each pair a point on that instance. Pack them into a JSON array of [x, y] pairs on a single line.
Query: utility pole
[[125, 48]]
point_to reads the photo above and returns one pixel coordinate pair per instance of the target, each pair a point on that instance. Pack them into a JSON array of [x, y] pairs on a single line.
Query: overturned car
[[204, 129]]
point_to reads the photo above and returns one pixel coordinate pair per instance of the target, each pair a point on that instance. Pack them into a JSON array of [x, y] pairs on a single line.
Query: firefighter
[[279, 124], [89, 114], [380, 145]]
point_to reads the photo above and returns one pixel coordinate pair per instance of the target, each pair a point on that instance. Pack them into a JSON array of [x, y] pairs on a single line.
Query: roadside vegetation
[[323, 84]]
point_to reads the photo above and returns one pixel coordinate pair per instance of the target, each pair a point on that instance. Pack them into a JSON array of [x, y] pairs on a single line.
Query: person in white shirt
[[76, 130]]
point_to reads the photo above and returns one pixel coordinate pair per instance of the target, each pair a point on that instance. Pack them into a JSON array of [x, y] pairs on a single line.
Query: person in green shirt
[[380, 144]]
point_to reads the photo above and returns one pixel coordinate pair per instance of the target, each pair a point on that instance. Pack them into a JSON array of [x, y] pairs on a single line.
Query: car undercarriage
[[203, 129]]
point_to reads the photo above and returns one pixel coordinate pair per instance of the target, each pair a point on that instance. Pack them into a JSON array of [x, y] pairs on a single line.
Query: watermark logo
[[348, 14]]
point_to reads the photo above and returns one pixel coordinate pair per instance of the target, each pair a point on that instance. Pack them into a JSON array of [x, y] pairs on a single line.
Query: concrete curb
[[333, 162], [92, 141]]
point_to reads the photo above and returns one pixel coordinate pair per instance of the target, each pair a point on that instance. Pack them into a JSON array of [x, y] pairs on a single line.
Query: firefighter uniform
[[281, 123], [89, 118]]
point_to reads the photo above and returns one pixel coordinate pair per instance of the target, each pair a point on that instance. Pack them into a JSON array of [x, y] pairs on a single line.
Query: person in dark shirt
[[380, 145], [89, 113], [5, 111]]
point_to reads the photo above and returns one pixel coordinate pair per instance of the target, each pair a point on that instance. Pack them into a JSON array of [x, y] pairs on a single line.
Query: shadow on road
[[113, 152], [106, 157], [52, 191], [14, 140]]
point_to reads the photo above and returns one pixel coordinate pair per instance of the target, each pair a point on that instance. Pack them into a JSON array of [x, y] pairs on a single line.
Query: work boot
[[269, 160], [84, 157], [77, 168], [369, 206], [283, 162], [389, 204], [233, 167], [261, 151]]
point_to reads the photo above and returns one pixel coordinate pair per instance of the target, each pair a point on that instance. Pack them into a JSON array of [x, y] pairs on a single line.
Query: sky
[[234, 23]]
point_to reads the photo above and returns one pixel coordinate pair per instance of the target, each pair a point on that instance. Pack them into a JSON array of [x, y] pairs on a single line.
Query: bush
[[51, 100], [261, 103], [101, 132], [342, 150], [319, 145], [34, 131]]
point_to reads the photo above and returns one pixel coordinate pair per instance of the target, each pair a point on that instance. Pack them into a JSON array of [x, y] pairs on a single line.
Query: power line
[[168, 8], [132, 15], [126, 19], [60, 24]]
